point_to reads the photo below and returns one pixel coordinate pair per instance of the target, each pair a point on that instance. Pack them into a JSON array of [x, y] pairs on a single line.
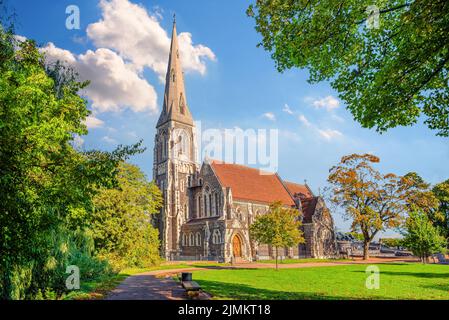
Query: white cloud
[[269, 116], [329, 134], [304, 120], [114, 85], [193, 57], [109, 140], [139, 38], [128, 39], [287, 109], [53, 54], [92, 122], [77, 142], [329, 103], [20, 38]]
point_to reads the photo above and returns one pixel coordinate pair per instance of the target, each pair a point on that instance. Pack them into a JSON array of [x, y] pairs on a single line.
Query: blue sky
[[229, 82]]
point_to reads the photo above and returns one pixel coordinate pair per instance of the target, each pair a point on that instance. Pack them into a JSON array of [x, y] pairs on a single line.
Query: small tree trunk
[[366, 249], [276, 250]]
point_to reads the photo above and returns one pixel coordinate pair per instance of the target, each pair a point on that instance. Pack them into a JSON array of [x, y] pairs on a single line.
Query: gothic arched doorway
[[237, 246]]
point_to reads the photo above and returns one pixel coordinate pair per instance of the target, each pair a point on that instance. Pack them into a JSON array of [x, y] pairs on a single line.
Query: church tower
[[175, 152]]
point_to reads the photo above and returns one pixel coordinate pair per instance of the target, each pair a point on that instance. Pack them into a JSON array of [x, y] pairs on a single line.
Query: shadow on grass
[[237, 291], [425, 275], [441, 287]]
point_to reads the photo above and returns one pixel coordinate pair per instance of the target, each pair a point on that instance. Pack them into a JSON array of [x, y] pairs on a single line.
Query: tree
[[441, 216], [392, 242], [356, 235], [387, 74], [373, 201], [43, 178], [422, 237], [121, 220], [280, 227]]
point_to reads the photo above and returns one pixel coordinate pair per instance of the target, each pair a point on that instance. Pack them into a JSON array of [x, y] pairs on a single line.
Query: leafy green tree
[[441, 216], [280, 227], [392, 242], [422, 237], [121, 220], [388, 75], [43, 179]]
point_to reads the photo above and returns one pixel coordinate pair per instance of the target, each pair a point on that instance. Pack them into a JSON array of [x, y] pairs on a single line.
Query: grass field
[[397, 281], [291, 261]]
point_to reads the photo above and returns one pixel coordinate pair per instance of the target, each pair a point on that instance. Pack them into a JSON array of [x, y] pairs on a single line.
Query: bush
[[422, 237], [121, 220], [43, 275]]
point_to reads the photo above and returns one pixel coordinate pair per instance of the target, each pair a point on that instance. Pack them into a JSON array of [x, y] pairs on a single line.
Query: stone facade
[[208, 210]]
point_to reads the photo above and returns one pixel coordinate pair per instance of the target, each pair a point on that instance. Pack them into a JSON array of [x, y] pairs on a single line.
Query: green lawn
[[291, 261], [397, 281]]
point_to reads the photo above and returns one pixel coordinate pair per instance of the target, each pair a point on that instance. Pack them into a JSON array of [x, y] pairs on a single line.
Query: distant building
[[208, 209]]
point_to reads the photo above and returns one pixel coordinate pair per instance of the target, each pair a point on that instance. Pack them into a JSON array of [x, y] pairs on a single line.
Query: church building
[[208, 208]]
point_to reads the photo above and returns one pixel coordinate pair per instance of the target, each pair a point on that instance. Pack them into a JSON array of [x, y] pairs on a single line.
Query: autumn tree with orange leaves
[[372, 200]]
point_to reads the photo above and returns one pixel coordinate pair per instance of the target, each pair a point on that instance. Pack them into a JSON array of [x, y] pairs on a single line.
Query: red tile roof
[[298, 188], [251, 184]]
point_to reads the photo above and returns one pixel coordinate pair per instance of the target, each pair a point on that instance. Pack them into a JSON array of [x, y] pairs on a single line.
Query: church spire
[[175, 102]]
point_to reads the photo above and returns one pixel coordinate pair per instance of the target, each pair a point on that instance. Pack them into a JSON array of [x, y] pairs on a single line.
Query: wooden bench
[[191, 286]]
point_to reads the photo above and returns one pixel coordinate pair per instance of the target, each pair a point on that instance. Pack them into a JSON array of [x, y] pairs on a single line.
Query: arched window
[[217, 205], [216, 237], [159, 152], [210, 205], [198, 239], [198, 206], [189, 181], [192, 240], [207, 201], [186, 211], [238, 213]]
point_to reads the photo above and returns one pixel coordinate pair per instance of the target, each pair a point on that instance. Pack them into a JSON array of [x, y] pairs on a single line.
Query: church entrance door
[[237, 246]]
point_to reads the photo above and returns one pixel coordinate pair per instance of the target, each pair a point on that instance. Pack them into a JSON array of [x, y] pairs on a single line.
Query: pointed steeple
[[175, 102]]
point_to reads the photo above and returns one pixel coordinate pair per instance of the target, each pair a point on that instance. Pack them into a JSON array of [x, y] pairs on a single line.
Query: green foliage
[[121, 220], [280, 227], [44, 181], [387, 76], [422, 237], [392, 242], [358, 236], [441, 216]]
